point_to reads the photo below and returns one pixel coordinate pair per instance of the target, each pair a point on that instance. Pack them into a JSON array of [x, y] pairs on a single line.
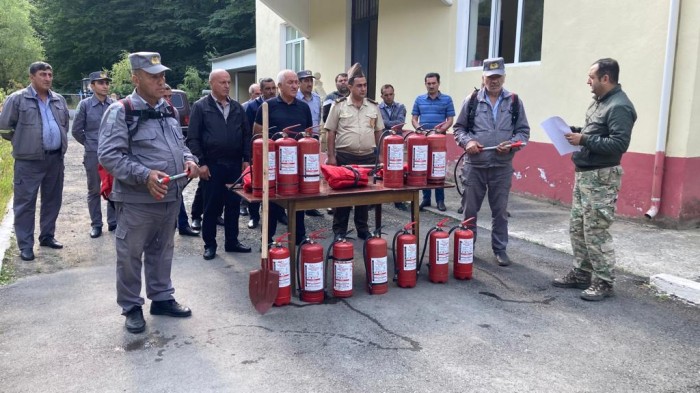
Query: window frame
[[464, 7], [297, 44]]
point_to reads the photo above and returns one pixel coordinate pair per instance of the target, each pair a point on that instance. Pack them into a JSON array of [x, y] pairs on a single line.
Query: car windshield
[[177, 101]]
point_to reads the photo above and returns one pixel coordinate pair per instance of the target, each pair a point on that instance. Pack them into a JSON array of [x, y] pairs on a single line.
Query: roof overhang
[[239, 61], [296, 13]]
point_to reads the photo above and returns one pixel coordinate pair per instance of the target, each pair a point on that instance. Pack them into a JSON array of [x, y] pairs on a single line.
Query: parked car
[[179, 101]]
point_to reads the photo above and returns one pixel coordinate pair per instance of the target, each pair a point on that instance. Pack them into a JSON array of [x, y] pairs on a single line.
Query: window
[[511, 29], [294, 49]]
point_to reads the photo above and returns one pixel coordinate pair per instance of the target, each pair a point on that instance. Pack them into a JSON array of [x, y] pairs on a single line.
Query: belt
[[49, 152]]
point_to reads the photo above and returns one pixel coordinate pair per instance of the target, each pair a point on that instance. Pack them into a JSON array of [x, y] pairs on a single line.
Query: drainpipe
[[664, 111]]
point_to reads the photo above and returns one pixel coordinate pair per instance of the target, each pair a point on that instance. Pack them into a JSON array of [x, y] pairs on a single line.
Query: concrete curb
[[679, 287]]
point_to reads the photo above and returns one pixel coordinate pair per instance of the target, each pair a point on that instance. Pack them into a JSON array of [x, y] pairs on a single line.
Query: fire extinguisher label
[[395, 153], [313, 276], [343, 276], [439, 168], [466, 251], [409, 257], [420, 158], [288, 160], [442, 246], [379, 270], [311, 168], [282, 266], [272, 165]]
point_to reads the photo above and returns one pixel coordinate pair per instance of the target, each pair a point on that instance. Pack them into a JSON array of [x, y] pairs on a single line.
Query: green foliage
[[121, 76], [19, 44], [192, 84], [82, 36], [6, 173]]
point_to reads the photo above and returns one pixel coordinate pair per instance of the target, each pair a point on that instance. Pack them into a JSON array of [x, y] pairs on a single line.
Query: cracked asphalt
[[506, 330]]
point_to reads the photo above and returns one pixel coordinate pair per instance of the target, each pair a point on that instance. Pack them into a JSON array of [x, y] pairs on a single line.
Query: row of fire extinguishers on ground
[[340, 256], [294, 160]]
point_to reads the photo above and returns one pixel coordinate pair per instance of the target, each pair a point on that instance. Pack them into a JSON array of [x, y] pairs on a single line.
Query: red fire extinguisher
[[463, 250], [279, 261], [417, 147], [439, 257], [405, 254], [342, 253], [256, 175], [437, 156], [375, 253], [392, 157], [309, 166], [287, 163], [311, 272]]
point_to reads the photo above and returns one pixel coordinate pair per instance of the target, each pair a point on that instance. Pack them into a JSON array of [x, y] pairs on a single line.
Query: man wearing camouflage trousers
[[604, 138]]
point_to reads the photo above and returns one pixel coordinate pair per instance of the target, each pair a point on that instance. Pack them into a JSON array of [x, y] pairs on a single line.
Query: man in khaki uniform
[[354, 125]]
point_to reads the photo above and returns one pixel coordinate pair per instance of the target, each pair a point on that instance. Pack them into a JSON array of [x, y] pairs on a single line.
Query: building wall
[[419, 36], [268, 33]]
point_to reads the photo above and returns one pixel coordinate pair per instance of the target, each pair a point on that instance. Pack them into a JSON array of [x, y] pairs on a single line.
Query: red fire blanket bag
[[346, 176]]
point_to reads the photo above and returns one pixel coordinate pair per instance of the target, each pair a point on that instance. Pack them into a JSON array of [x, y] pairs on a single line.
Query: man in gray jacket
[[497, 121], [604, 138], [38, 122], [141, 144], [86, 127]]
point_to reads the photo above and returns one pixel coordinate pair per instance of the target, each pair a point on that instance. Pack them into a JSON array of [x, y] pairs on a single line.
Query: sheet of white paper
[[555, 127]]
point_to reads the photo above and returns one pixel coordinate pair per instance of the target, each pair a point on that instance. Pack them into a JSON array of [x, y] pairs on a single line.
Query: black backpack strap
[[471, 110], [133, 116], [514, 109]]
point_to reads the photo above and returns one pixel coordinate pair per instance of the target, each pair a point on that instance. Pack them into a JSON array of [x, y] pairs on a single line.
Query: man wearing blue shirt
[[433, 111], [37, 119]]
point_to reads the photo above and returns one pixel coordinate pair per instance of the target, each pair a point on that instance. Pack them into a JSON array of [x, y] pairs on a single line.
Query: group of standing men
[[140, 143]]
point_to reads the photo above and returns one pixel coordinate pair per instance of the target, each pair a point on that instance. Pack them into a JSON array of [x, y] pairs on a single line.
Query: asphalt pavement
[[505, 330]]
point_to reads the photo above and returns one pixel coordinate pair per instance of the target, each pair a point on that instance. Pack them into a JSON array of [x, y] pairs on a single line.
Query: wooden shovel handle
[[266, 183]]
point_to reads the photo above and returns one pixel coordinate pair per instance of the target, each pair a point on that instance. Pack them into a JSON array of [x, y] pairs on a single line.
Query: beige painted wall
[[418, 36], [268, 30]]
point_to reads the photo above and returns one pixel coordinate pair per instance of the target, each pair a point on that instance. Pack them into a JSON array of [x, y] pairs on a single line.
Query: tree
[[192, 84], [121, 76], [19, 44]]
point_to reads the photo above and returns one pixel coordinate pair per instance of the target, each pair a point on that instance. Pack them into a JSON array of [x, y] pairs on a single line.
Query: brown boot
[[599, 290], [575, 278]]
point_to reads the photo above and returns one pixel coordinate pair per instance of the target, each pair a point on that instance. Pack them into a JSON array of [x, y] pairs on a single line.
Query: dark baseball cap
[[494, 66], [147, 61], [99, 76], [304, 74]]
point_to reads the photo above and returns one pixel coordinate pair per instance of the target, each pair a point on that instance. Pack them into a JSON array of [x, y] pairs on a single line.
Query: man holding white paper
[[604, 138]]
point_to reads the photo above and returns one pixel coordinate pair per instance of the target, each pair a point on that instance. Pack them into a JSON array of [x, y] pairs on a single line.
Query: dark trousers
[[496, 181], [439, 195], [182, 220], [198, 203], [274, 213], [217, 197], [341, 215]]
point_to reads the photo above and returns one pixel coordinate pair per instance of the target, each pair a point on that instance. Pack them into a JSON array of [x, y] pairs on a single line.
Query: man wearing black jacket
[[219, 136]]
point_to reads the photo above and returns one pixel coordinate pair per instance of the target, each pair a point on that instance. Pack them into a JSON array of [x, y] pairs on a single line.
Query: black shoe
[[134, 320], [188, 231], [330, 210], [243, 211], [209, 253], [503, 259], [401, 206], [460, 210], [27, 254], [441, 206], [170, 308], [253, 223], [238, 247], [423, 204], [338, 237], [51, 242], [96, 232], [111, 227], [313, 213], [220, 221], [284, 220], [364, 235], [196, 224]]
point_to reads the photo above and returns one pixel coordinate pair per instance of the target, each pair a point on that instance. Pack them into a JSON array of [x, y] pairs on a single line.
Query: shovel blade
[[262, 289]]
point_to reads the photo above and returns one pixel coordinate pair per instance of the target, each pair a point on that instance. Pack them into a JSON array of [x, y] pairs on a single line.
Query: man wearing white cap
[[492, 117], [141, 144]]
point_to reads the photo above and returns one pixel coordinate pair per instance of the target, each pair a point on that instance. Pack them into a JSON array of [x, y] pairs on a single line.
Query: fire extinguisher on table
[[439, 256], [392, 156], [374, 251], [437, 156], [417, 148], [341, 252], [463, 250], [279, 261], [287, 163], [311, 271], [256, 175], [405, 254], [309, 165]]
